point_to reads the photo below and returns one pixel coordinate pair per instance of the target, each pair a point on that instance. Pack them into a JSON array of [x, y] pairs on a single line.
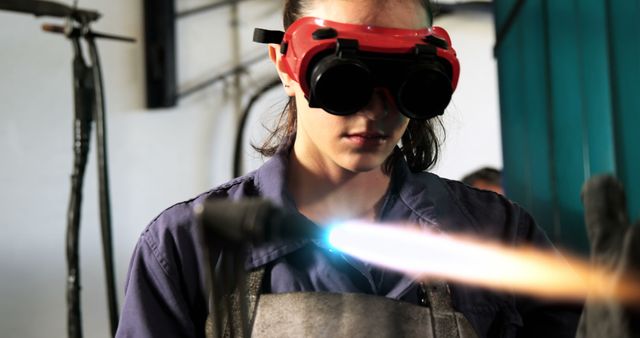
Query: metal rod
[[205, 8], [49, 8], [221, 76], [103, 183], [508, 23], [237, 154], [238, 91], [112, 37], [53, 28]]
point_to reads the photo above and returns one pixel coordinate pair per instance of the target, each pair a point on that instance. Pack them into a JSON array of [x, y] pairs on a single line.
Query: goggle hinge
[[346, 47], [425, 50]]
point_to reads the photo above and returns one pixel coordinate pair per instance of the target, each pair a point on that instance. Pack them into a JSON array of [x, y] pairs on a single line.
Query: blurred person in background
[[486, 178]]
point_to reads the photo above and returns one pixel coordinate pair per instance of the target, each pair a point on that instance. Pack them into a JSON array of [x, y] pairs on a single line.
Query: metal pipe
[[103, 184], [219, 77], [238, 91], [205, 8], [49, 8], [508, 23], [242, 124]]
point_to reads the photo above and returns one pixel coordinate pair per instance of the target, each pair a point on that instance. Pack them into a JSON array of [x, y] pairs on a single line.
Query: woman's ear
[[276, 58]]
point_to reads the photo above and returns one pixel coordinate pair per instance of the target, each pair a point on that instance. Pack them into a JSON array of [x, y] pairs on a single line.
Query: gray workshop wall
[[156, 157]]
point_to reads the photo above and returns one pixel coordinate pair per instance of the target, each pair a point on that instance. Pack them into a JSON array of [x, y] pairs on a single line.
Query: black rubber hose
[[103, 183], [242, 124], [81, 132]]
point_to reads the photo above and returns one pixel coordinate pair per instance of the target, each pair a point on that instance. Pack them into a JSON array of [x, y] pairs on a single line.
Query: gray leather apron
[[323, 314]]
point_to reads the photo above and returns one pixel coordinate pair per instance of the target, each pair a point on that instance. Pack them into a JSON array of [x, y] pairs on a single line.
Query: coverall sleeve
[[154, 304]]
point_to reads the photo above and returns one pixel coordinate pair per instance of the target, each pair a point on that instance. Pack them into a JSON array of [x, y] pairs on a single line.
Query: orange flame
[[527, 270]]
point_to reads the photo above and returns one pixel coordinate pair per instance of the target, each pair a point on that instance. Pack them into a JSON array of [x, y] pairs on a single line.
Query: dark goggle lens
[[425, 93], [341, 86]]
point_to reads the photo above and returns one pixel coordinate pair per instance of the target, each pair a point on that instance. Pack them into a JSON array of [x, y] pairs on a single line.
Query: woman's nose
[[379, 106]]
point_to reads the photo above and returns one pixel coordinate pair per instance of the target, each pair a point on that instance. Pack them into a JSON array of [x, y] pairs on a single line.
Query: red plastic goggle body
[[337, 65]]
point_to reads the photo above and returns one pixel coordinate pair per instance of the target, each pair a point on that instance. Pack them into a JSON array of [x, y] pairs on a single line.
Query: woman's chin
[[362, 164]]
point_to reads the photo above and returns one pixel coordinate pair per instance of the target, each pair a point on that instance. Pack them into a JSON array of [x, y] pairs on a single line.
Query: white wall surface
[[156, 157], [472, 120]]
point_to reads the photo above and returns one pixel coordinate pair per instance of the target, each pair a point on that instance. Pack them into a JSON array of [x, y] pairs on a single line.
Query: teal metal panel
[[569, 75], [567, 122], [524, 102], [624, 35], [501, 10], [513, 122], [593, 42], [534, 108]]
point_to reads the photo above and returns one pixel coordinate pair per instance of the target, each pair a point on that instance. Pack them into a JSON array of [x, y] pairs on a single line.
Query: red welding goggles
[[339, 65]]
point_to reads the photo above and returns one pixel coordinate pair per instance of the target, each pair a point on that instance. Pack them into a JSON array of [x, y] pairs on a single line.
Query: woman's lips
[[366, 139]]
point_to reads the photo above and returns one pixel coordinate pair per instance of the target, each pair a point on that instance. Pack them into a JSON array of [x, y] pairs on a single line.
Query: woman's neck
[[325, 193]]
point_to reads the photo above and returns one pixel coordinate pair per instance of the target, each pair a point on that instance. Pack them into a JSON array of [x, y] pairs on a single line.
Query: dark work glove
[[615, 245]]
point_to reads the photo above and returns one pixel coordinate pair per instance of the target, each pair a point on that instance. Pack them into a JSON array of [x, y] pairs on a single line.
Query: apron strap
[[234, 328], [446, 322]]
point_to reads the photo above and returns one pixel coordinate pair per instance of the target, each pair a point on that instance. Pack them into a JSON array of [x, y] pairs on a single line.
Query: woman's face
[[362, 141]]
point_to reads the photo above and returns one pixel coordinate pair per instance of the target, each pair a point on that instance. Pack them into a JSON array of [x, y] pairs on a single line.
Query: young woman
[[326, 167]]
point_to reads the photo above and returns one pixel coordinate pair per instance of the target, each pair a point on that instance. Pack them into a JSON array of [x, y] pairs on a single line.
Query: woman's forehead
[[408, 14]]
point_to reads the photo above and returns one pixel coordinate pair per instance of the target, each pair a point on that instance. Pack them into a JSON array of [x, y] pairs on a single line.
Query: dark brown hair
[[420, 143]]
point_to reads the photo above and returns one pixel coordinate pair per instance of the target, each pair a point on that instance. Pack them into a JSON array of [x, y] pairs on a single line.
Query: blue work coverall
[[165, 292]]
